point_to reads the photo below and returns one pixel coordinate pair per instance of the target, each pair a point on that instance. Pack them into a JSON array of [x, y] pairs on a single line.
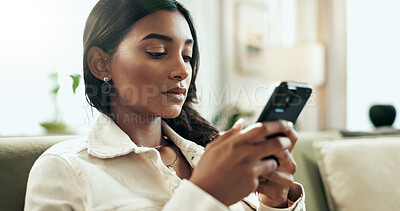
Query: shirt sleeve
[[296, 196], [189, 196], [53, 185]]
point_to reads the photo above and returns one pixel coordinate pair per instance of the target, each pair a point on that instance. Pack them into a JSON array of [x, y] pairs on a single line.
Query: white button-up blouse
[[107, 171]]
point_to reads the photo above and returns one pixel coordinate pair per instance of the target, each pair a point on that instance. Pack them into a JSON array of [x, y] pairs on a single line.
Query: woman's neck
[[144, 130]]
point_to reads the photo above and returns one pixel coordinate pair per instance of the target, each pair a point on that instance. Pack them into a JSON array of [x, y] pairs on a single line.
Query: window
[[373, 68]]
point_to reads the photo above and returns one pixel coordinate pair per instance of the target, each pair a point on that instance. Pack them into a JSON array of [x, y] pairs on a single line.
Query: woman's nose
[[181, 69]]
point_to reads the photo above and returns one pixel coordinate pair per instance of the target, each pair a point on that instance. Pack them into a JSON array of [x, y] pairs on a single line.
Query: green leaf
[[232, 120], [76, 78], [55, 90]]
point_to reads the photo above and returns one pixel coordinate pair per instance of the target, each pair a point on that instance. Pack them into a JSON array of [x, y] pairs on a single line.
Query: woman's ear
[[99, 63]]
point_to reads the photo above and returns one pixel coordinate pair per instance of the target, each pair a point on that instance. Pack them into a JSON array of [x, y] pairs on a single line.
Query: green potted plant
[[56, 125]]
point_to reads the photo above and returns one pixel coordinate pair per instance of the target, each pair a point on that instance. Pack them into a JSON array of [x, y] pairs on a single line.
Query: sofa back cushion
[[361, 174], [17, 156]]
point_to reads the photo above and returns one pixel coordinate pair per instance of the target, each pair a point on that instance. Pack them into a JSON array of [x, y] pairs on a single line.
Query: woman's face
[[151, 68]]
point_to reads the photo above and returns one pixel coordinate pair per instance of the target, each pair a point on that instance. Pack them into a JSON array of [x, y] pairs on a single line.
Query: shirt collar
[[107, 140]]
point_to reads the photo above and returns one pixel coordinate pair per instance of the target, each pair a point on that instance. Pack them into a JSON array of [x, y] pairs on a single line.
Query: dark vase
[[382, 115]]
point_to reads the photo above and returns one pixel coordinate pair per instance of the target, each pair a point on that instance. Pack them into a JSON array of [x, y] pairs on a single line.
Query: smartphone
[[286, 102]]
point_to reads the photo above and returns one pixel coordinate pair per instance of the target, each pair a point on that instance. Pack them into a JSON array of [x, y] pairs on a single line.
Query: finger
[[270, 147], [281, 178], [286, 161], [274, 190], [238, 124], [292, 135], [237, 127], [258, 131], [265, 167]]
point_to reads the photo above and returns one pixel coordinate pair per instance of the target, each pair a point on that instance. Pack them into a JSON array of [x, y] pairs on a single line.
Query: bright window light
[[373, 67], [38, 38], [288, 22]]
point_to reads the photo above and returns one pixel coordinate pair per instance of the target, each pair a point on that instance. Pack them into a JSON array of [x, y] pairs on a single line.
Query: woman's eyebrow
[[164, 37], [158, 36]]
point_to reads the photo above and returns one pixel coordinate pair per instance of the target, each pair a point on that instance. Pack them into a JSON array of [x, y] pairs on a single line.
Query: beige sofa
[[17, 156], [307, 168], [349, 174]]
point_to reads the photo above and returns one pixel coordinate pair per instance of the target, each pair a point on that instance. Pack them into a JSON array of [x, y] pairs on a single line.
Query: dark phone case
[[278, 109]]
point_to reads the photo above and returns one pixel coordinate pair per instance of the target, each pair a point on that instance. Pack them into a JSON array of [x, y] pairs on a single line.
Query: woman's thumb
[[237, 126], [225, 135]]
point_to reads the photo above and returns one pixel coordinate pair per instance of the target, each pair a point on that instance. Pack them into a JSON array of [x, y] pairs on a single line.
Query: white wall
[[207, 18], [373, 68], [37, 38], [45, 36]]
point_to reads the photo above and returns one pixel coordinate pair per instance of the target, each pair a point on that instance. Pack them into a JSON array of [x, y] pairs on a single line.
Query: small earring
[[105, 58], [106, 87]]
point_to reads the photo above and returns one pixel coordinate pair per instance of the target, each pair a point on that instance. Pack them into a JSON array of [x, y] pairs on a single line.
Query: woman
[[146, 150]]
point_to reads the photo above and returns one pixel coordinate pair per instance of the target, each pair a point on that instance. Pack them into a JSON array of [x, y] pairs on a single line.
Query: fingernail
[[238, 123], [290, 124], [286, 143], [274, 164], [284, 123]]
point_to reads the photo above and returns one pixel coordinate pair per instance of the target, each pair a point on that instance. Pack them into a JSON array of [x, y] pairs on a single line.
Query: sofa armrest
[[307, 172]]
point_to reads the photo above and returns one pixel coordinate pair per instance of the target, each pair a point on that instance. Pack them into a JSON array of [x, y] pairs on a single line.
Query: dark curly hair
[[107, 25]]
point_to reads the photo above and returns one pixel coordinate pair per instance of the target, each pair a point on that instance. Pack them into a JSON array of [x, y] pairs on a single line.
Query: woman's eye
[[187, 58], [157, 55]]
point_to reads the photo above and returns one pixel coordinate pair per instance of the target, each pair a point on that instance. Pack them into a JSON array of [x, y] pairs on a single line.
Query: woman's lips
[[176, 94]]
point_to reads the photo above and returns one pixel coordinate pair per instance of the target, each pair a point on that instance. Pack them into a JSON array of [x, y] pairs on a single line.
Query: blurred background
[[346, 49]]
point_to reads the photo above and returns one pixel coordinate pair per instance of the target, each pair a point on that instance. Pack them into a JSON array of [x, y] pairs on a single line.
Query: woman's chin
[[171, 112], [170, 115]]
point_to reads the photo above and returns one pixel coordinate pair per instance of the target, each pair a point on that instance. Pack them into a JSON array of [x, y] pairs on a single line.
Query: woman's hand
[[274, 187], [232, 164]]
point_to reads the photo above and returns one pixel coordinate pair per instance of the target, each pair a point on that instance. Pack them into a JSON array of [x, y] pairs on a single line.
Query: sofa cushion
[[360, 174], [17, 156]]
